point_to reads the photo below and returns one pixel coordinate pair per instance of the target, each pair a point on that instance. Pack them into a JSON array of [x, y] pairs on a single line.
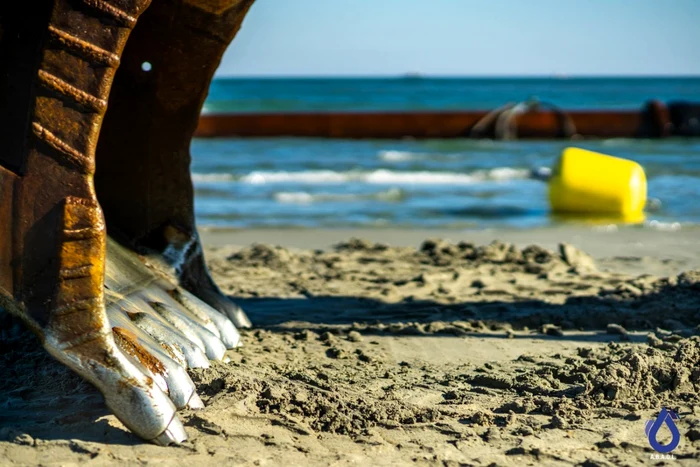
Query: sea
[[456, 183]]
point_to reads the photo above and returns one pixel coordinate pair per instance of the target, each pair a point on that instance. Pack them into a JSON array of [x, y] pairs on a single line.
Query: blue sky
[[467, 37]]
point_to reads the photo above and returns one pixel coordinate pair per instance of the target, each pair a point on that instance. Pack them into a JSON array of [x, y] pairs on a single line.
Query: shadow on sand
[[33, 402], [672, 307]]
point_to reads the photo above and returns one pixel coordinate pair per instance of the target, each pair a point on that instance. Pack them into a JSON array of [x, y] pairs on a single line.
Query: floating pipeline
[[525, 120]]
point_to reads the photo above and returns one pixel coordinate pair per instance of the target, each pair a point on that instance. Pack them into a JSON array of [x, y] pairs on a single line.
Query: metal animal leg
[[58, 63], [98, 308], [143, 180]]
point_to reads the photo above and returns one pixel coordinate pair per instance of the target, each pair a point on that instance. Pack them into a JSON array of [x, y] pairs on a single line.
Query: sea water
[[298, 182]]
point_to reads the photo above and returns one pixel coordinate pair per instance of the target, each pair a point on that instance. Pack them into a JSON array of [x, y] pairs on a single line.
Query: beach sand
[[386, 347]]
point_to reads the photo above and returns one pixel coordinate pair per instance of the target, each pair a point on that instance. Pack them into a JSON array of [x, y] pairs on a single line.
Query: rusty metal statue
[[98, 102]]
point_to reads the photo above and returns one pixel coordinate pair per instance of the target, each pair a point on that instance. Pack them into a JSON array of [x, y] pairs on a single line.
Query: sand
[[393, 347]]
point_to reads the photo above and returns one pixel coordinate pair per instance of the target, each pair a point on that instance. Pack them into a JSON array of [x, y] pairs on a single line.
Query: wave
[[663, 226], [310, 176], [377, 177], [303, 197], [508, 173], [211, 177], [619, 142], [398, 156]]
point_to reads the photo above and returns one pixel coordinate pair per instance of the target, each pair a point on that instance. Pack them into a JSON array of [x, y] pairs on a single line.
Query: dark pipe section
[[654, 120], [685, 118]]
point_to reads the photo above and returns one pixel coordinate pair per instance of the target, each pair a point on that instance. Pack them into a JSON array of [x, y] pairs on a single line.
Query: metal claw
[[227, 331], [140, 357], [213, 346], [132, 396], [167, 335], [165, 292], [117, 315], [216, 299], [173, 434], [181, 389]]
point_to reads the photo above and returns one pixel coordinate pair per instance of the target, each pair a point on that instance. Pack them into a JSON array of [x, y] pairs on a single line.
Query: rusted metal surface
[[395, 125], [128, 343], [7, 185], [54, 57], [146, 135], [145, 138], [58, 78]]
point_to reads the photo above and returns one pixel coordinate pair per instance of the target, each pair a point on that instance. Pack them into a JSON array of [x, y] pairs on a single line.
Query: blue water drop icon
[[652, 429]]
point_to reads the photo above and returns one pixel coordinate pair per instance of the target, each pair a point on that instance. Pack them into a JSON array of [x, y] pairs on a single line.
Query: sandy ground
[[395, 349]]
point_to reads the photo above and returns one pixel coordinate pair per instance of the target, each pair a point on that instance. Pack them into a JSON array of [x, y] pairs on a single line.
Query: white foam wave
[[664, 226], [294, 197], [311, 176], [507, 173], [384, 177], [211, 177], [397, 156], [390, 177], [618, 142], [303, 197]]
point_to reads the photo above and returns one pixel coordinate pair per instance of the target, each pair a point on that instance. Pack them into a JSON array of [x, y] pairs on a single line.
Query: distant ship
[[412, 75]]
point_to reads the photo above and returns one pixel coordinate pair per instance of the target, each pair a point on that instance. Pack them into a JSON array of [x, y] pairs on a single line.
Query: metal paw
[[161, 330]]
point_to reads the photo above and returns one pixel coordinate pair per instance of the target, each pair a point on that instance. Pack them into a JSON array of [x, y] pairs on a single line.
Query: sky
[[467, 38]]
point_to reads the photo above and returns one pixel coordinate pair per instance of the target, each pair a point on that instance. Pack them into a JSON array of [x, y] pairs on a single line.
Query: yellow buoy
[[586, 182]]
